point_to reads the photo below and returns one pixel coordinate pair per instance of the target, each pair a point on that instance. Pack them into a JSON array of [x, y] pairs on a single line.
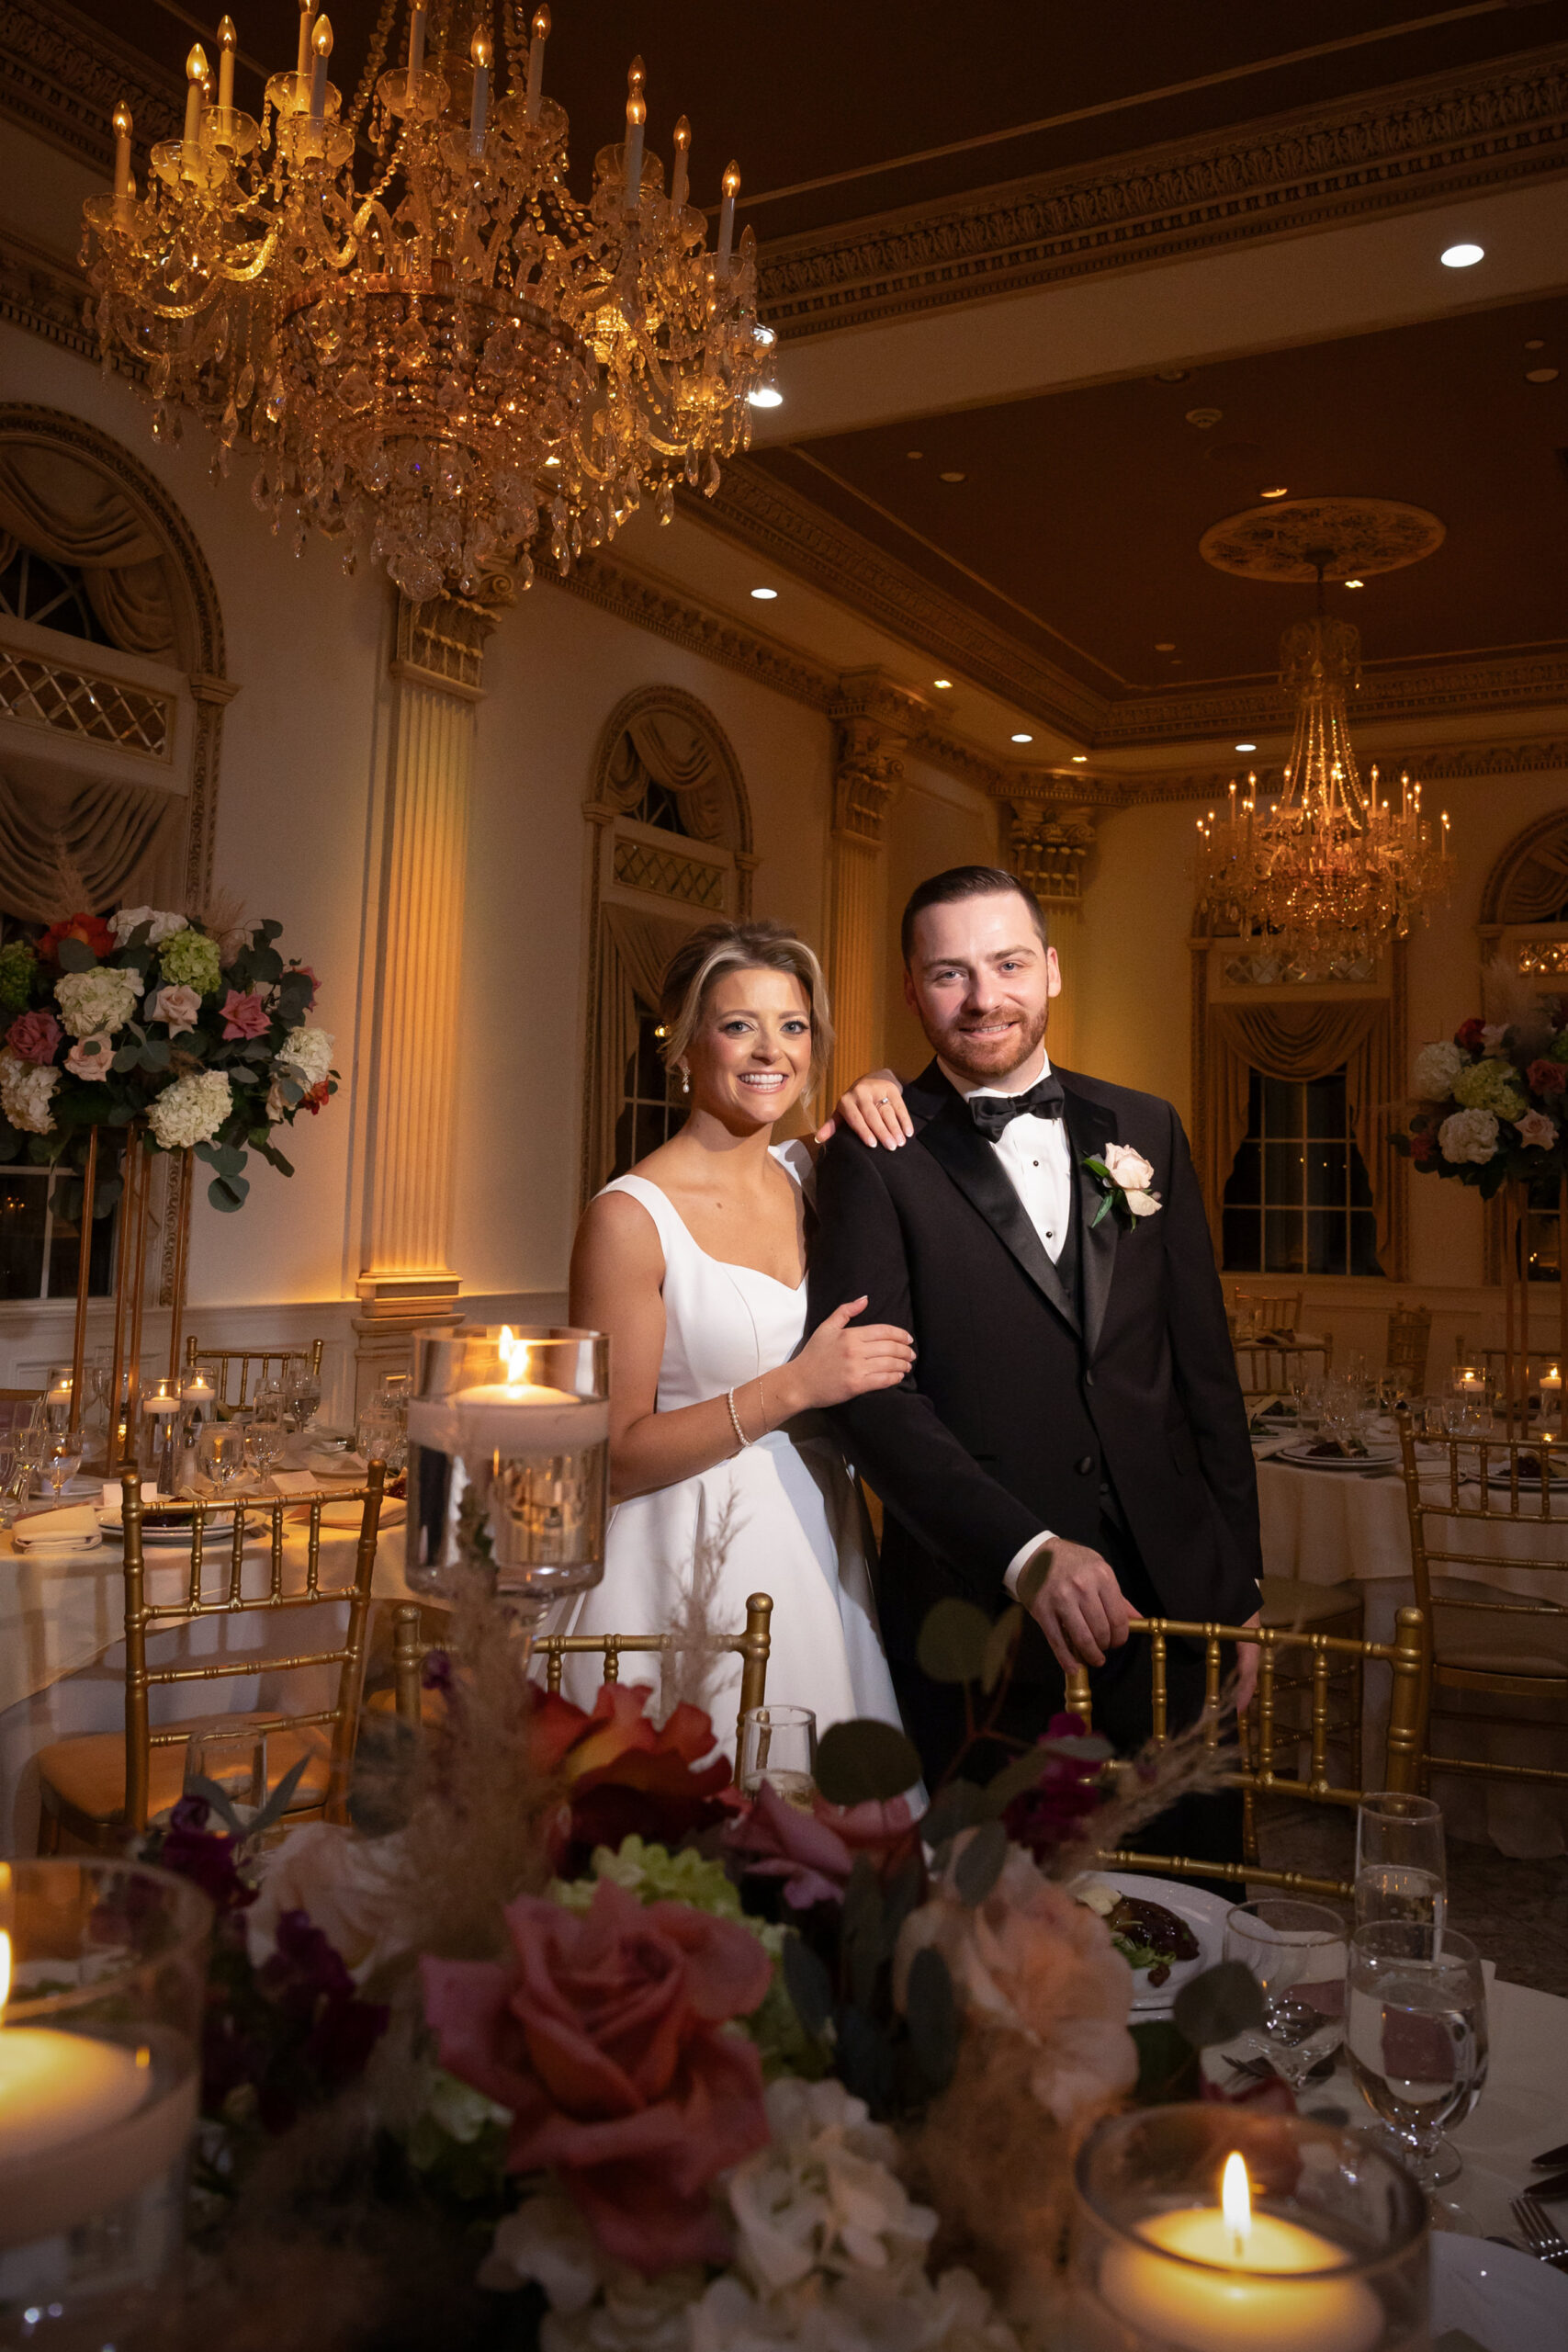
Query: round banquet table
[[1339, 1526], [62, 1651]]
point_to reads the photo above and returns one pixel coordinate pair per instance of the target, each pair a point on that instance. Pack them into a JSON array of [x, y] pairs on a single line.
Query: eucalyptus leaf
[[127, 1056], [227, 1161], [266, 965], [75, 956], [808, 1984], [228, 1194], [961, 1804], [1225, 2001], [1015, 1780], [201, 1786], [932, 2015], [952, 1641], [864, 1760], [106, 1194], [1001, 1643], [209, 1152], [865, 1945], [1167, 2063], [277, 1802], [155, 1054], [979, 1865], [268, 930], [865, 2060]]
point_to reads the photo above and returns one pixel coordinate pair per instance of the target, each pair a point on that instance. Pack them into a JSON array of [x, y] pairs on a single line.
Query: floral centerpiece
[[565, 2044], [1490, 1099], [203, 1041]]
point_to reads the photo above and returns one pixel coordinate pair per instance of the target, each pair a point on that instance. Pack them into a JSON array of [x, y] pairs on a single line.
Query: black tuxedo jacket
[[1025, 1399]]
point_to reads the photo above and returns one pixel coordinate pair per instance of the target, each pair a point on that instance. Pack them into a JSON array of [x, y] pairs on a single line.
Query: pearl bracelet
[[742, 1440]]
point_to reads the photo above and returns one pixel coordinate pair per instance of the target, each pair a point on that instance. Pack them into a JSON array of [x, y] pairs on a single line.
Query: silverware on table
[[1553, 2155], [1542, 2234], [1547, 2191]]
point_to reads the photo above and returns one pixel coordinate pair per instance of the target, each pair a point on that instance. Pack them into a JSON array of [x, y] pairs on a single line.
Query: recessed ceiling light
[[1080, 759], [1023, 739], [1172, 376], [1204, 418], [765, 396], [953, 477], [1535, 344], [1280, 492], [1246, 747], [1165, 649], [1541, 375], [764, 595], [1355, 583], [1461, 257], [942, 682], [914, 455]]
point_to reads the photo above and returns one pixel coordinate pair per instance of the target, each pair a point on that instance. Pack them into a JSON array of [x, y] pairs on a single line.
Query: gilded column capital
[[441, 645], [868, 772], [1047, 849]]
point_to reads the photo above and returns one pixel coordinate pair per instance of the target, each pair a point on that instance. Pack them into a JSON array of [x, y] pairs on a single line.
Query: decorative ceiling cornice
[[1415, 691], [1406, 145], [43, 295], [1439, 763], [63, 76]]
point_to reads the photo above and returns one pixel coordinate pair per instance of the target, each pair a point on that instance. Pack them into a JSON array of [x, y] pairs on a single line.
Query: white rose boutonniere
[[1126, 1176]]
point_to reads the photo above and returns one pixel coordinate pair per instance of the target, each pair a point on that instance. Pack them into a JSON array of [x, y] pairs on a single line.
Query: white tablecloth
[[63, 1655], [1334, 1526]]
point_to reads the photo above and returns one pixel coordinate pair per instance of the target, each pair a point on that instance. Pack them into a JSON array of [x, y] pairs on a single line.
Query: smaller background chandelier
[[1326, 872], [447, 359]]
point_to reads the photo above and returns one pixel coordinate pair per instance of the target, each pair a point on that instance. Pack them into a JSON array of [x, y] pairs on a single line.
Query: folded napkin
[[337, 1466], [75, 1524]]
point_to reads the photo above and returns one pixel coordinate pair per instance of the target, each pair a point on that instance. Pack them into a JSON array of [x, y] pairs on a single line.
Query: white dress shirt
[[1038, 1160]]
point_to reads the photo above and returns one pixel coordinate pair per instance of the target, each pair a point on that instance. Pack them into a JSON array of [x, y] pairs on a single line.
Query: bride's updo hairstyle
[[720, 947]]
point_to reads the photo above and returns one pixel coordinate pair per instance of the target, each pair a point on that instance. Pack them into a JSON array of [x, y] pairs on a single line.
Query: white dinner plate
[[1205, 1913], [1508, 2301], [1376, 1457], [219, 1528]]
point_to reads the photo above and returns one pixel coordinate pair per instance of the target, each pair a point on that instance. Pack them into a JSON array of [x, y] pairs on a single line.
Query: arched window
[[670, 844]]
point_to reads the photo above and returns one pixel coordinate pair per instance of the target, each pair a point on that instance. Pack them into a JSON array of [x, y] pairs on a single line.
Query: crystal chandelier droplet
[[434, 347]]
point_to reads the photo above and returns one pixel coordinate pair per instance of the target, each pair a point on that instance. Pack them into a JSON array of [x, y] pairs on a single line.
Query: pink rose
[[605, 2036], [91, 1057], [181, 1008], [1536, 1129], [814, 1852], [35, 1035], [244, 1015]]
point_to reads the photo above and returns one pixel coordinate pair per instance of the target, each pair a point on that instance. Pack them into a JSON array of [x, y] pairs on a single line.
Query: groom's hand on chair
[[1074, 1598]]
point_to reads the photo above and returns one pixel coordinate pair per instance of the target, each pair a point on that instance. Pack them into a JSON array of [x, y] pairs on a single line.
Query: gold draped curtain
[[122, 842], [666, 746], [69, 514], [1299, 1041]]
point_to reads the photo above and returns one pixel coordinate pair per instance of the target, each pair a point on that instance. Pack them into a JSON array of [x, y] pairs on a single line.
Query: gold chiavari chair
[[752, 1645], [105, 1786], [264, 1359], [1271, 1367], [1409, 1344], [1279, 1312], [1485, 1645], [1406, 1732]]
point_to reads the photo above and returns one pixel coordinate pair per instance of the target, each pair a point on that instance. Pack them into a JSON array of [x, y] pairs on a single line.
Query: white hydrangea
[[1468, 1136], [864, 2312], [822, 2195], [125, 920], [24, 1092], [310, 1051], [596, 2304], [192, 1110], [96, 1003], [1437, 1066]]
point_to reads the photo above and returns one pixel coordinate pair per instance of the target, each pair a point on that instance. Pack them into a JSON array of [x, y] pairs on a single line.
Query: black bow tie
[[991, 1112]]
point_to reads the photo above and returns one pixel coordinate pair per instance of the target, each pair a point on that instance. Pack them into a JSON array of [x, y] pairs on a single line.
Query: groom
[[1074, 1405]]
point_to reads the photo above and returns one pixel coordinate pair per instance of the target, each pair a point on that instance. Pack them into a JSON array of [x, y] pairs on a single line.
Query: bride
[[695, 1265]]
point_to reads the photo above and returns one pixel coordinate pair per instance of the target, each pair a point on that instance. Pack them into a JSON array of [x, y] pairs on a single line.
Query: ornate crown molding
[[43, 295], [63, 75], [1438, 763], [1416, 690], [868, 775], [1406, 145]]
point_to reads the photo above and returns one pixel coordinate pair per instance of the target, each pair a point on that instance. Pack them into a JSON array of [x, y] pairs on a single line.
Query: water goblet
[[266, 1432], [1418, 2038], [1401, 1872], [1297, 1952], [777, 1746], [221, 1454], [302, 1393], [61, 1459]]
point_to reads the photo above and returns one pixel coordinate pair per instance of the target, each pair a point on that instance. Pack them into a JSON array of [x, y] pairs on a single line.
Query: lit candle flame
[[1236, 2203]]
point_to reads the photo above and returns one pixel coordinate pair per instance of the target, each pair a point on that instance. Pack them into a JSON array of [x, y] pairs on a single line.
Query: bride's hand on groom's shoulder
[[843, 1359], [872, 1109]]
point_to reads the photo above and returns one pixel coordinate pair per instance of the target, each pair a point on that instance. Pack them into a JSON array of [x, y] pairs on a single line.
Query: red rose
[[317, 1098], [1546, 1078], [605, 2036], [1468, 1035], [91, 929], [625, 1775], [36, 1036], [1423, 1147]]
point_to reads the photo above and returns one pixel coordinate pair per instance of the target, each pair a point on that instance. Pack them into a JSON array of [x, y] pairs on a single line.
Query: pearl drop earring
[[685, 1081]]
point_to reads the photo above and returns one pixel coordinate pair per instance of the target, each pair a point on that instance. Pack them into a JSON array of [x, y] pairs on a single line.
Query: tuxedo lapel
[[952, 1139], [1089, 1128]]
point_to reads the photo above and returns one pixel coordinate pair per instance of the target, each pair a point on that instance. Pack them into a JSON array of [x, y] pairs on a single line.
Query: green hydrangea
[[1491, 1086], [190, 960], [1558, 1049], [18, 969]]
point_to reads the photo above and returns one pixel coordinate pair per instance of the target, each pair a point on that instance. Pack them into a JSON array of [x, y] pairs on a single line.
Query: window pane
[[649, 1067], [1283, 1171], [1245, 1177], [649, 1130], [1243, 1241], [1361, 1187], [1325, 1106], [1364, 1243], [23, 1195], [1325, 1241], [63, 1259], [1325, 1175], [1281, 1107], [1282, 1241]]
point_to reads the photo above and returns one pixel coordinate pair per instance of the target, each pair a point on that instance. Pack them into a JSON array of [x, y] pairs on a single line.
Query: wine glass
[[61, 1459], [1296, 1951], [264, 1431], [778, 1745], [1401, 1872], [1418, 2038], [301, 1391], [221, 1454]]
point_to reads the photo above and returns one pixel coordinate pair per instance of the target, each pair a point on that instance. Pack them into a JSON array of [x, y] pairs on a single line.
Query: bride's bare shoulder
[[619, 1229]]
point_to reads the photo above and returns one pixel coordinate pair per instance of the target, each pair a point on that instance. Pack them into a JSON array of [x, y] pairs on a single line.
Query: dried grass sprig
[[1146, 1785], [73, 894], [696, 1639]]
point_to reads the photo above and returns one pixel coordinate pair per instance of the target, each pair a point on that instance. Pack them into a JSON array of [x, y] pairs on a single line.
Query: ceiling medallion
[[450, 359], [1283, 541], [1325, 874]]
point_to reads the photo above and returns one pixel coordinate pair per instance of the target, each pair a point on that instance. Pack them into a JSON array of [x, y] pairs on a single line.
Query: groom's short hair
[[966, 882]]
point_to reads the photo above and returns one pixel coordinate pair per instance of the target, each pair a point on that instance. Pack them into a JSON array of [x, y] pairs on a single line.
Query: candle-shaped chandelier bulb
[[227, 41], [682, 152], [727, 211], [1236, 2203], [195, 75], [321, 45], [637, 116], [123, 126], [307, 18], [416, 41], [479, 112], [538, 35]]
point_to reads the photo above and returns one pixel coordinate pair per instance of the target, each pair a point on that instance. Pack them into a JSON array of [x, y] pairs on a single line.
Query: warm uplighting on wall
[[1461, 257]]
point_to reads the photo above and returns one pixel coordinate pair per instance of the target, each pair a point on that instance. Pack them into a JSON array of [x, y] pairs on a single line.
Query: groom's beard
[[984, 1061]]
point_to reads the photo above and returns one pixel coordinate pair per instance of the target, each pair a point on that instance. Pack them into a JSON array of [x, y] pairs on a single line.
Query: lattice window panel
[[641, 866], [97, 710], [1539, 957]]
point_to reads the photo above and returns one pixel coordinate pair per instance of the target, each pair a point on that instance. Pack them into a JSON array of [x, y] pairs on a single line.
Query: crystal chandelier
[[1326, 873], [440, 354]]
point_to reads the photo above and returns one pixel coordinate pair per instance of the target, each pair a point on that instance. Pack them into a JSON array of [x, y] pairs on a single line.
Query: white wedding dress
[[795, 1526]]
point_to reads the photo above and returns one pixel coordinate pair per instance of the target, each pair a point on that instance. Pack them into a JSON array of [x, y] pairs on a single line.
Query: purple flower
[[204, 1856], [1048, 1814]]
